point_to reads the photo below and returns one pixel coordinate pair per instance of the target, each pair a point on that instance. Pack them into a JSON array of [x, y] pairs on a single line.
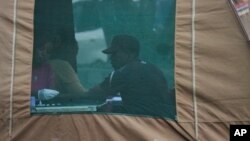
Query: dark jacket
[[142, 87]]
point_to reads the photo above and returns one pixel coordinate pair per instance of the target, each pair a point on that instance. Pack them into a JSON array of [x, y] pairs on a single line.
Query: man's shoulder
[[142, 68], [140, 64]]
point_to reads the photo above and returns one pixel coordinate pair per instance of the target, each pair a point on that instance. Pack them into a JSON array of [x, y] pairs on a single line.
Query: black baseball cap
[[123, 42]]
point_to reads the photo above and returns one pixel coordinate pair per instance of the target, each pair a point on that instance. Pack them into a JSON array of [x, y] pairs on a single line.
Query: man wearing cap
[[141, 85]]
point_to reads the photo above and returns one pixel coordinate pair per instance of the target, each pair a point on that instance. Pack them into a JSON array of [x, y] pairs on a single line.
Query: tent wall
[[15, 63], [222, 78], [221, 57], [5, 65], [222, 63]]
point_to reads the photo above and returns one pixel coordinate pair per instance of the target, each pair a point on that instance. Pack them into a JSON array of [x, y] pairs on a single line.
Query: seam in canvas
[[12, 68], [194, 70]]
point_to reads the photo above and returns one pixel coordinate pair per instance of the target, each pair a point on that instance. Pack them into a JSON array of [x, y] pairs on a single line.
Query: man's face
[[119, 59]]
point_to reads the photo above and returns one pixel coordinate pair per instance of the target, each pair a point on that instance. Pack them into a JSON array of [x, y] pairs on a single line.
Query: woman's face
[[44, 52], [41, 55]]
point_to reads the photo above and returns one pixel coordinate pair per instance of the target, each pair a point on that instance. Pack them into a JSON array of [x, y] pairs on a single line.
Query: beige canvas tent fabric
[[221, 55]]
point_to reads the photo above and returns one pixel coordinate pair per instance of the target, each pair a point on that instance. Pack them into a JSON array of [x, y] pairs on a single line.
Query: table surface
[[71, 107]]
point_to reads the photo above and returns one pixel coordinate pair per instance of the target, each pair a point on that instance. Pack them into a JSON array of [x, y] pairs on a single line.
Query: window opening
[[104, 56]]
